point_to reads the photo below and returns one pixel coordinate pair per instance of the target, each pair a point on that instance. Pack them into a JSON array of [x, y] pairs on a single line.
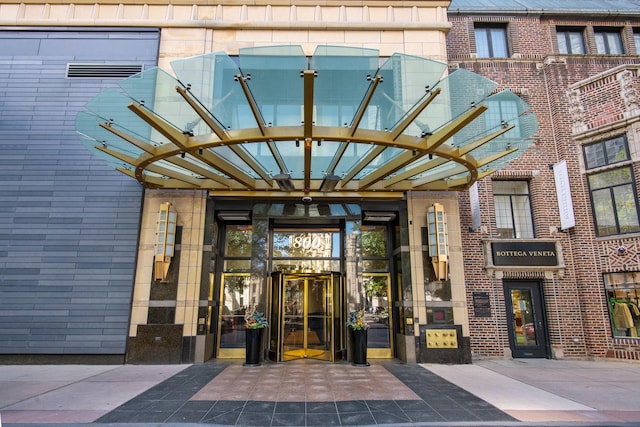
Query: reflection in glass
[[524, 326], [377, 288], [238, 241], [235, 294]]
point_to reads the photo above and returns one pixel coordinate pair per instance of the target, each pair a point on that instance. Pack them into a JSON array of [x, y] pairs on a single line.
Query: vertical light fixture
[[165, 240], [438, 240]]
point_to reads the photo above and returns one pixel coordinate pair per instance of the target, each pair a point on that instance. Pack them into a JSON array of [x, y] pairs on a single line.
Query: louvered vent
[[102, 71]]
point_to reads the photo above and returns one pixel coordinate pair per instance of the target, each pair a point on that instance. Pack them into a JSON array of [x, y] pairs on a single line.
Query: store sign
[[527, 254]]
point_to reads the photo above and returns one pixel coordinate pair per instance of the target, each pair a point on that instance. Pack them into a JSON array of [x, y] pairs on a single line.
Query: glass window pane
[[594, 155], [562, 42], [235, 296], [614, 43], [482, 43], [238, 241], [603, 212], [576, 43], [499, 42], [626, 209], [522, 217], [523, 322], [601, 43], [636, 39], [374, 241]]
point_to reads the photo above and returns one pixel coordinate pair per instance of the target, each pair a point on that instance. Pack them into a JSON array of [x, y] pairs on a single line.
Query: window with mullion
[[491, 41], [636, 39], [570, 41], [608, 41], [613, 196], [513, 209]]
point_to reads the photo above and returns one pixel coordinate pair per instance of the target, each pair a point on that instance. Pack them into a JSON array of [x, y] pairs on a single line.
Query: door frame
[[541, 349]]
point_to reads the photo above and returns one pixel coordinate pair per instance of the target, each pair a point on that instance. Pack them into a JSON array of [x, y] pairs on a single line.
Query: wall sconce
[[165, 241], [438, 240]]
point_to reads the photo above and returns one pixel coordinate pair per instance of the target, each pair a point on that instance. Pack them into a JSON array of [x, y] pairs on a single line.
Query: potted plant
[[358, 328], [254, 322]]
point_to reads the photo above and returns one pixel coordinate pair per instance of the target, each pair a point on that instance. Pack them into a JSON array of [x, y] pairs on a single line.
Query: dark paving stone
[[352, 406], [457, 414], [356, 418], [258, 406], [290, 408], [197, 405], [383, 405], [259, 419], [323, 420], [187, 416], [222, 417], [118, 416], [164, 406], [288, 419], [413, 405], [390, 417], [227, 405], [424, 416], [321, 407], [152, 417]]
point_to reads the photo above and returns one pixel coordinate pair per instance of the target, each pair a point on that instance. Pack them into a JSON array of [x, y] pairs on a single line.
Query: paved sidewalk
[[523, 392]]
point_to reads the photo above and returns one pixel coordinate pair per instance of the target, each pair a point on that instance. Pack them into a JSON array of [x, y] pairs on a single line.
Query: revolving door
[[307, 316]]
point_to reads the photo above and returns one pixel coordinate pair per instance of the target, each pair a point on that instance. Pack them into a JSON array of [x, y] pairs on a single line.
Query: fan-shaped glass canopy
[[273, 121]]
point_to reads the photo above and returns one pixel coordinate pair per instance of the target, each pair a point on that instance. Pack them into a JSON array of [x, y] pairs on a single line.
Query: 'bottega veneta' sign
[[524, 254]]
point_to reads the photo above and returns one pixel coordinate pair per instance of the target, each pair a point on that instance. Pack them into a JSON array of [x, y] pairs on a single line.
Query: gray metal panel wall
[[68, 223]]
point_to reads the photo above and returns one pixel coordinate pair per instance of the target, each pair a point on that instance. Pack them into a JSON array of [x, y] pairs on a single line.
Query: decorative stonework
[[628, 92], [577, 111]]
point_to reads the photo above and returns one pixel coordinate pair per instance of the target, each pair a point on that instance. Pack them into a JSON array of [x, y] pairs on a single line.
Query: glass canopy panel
[[156, 89], [88, 125], [114, 163], [213, 83], [382, 159], [228, 154], [262, 154], [275, 82], [341, 82], [460, 91], [353, 154], [406, 79], [293, 157]]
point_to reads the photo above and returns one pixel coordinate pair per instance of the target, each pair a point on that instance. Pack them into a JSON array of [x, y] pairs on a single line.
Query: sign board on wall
[[481, 304], [528, 254], [563, 191]]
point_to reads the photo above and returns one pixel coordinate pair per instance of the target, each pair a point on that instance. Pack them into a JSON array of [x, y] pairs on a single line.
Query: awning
[[274, 122]]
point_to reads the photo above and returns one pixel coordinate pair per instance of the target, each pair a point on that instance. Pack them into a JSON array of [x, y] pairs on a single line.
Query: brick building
[[575, 63], [307, 222]]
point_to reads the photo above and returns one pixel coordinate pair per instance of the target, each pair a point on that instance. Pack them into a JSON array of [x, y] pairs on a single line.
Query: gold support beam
[[252, 102], [308, 76], [205, 115], [308, 144], [430, 143], [364, 104], [409, 118]]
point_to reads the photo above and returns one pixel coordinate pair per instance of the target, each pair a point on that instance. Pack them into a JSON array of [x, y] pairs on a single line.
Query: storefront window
[[623, 295]]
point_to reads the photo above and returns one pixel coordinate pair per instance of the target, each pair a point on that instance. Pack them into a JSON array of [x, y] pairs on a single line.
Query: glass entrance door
[[304, 316], [525, 316]]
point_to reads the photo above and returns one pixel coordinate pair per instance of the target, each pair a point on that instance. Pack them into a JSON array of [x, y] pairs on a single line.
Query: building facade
[[541, 257]]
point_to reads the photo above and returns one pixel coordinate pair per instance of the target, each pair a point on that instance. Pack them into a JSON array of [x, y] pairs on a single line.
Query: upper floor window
[[570, 40], [491, 41], [513, 209], [636, 39], [608, 41], [607, 152], [613, 192]]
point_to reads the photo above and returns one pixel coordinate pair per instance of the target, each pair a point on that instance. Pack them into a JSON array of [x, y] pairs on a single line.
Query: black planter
[[359, 347], [253, 346]]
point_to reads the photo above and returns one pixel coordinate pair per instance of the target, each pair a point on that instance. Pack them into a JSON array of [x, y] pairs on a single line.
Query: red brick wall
[[576, 310]]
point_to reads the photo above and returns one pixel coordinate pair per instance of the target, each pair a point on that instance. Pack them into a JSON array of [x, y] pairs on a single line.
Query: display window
[[623, 297]]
